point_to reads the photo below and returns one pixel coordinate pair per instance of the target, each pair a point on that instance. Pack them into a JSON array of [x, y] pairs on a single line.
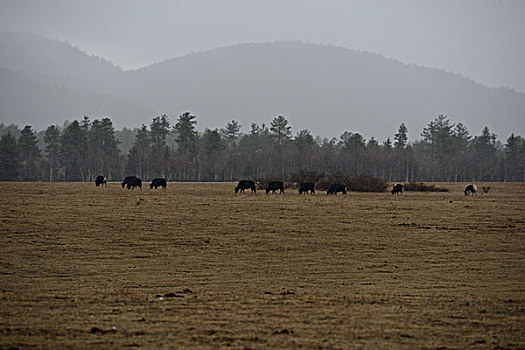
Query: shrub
[[294, 180], [325, 181], [262, 182], [421, 187], [366, 183]]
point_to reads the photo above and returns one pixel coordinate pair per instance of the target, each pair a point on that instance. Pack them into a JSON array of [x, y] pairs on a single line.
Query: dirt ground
[[195, 266]]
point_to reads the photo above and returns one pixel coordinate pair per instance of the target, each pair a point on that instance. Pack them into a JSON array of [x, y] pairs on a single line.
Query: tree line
[[81, 150]]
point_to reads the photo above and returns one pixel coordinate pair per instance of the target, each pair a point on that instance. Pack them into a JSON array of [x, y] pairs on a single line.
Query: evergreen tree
[[387, 144], [9, 158], [139, 156], [212, 141], [401, 138], [186, 133], [372, 144], [460, 141], [387, 172], [211, 155], [353, 146], [29, 153], [438, 135], [304, 140], [231, 133], [159, 130], [512, 146], [254, 151], [280, 131], [485, 151], [514, 158], [103, 152], [52, 150], [73, 151], [12, 129], [401, 166]]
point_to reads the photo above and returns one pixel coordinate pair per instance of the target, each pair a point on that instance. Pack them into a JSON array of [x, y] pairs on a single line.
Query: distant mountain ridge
[[326, 89]]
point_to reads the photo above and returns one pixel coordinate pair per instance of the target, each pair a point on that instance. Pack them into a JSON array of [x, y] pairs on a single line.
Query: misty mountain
[[325, 89], [53, 59], [45, 82], [322, 88], [40, 105]]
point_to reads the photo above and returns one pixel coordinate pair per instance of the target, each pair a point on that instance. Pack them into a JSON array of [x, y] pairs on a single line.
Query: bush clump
[[326, 180], [262, 182], [366, 183], [294, 180], [421, 187]]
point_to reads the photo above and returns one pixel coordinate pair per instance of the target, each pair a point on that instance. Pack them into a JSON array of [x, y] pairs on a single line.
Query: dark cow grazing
[[101, 180], [334, 188], [470, 189], [397, 189], [307, 186], [127, 179], [274, 186], [135, 182], [244, 185], [158, 183]]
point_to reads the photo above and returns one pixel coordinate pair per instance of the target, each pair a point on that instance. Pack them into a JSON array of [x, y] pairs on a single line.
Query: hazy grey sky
[[481, 39]]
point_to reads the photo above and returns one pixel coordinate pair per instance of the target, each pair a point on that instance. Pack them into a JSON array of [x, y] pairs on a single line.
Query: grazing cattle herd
[[130, 182]]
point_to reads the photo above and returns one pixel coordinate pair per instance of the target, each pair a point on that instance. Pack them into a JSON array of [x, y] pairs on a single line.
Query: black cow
[[274, 186], [307, 186], [101, 180], [334, 188], [158, 183], [470, 188], [127, 179], [397, 189], [135, 182], [244, 185]]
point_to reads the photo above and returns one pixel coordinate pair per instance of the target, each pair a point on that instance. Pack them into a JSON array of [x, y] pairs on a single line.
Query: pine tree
[[304, 140], [159, 130], [30, 154], [280, 131], [514, 158], [401, 138], [139, 156], [73, 151], [52, 150], [186, 133], [103, 152], [485, 153], [231, 133], [9, 158]]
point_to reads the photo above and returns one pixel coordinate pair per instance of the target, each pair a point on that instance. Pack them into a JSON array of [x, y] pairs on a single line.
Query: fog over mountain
[[326, 89]]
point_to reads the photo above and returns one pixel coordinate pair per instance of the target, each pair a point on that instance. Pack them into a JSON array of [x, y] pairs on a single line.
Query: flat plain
[[196, 266]]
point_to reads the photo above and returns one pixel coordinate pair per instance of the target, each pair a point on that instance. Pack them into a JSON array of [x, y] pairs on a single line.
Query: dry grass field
[[195, 266]]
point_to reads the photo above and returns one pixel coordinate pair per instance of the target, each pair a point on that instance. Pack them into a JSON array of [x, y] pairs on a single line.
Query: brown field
[[197, 267]]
